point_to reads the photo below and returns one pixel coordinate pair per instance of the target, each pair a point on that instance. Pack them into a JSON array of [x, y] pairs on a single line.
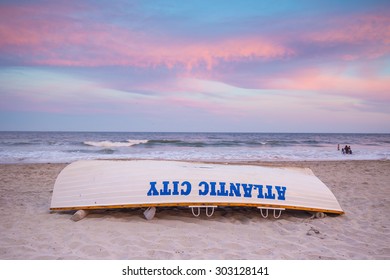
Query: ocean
[[60, 147]]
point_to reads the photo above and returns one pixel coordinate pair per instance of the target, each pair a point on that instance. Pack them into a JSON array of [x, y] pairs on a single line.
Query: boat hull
[[104, 184]]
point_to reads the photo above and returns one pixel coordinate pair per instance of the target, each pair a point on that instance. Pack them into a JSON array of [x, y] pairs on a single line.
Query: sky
[[195, 66]]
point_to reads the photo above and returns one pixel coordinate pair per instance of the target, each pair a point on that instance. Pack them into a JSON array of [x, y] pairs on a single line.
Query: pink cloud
[[52, 34], [370, 87], [369, 32], [355, 29], [132, 51], [47, 35], [41, 38]]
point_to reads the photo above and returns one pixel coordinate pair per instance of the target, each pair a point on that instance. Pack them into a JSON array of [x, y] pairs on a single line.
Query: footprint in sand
[[315, 232]]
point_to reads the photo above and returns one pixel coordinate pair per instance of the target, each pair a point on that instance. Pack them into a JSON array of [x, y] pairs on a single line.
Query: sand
[[29, 231]]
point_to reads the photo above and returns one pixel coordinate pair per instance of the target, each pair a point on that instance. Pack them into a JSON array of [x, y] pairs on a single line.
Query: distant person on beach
[[347, 150]]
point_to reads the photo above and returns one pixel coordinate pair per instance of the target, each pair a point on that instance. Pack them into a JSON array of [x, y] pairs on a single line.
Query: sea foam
[[110, 144]]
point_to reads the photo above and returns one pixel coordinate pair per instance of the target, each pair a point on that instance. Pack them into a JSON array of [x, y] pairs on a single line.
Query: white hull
[[102, 184]]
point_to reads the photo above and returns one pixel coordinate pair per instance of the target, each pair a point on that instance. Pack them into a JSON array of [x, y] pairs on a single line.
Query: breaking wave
[[110, 144]]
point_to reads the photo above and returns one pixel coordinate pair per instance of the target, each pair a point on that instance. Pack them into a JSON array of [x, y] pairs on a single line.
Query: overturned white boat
[[103, 184]]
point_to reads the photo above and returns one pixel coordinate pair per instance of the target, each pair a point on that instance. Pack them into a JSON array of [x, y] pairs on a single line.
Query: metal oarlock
[[197, 213], [265, 216], [193, 213], [277, 216], [212, 211], [265, 213]]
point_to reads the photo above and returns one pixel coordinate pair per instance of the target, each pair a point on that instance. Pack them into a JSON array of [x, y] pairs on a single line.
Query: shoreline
[[239, 162], [31, 231]]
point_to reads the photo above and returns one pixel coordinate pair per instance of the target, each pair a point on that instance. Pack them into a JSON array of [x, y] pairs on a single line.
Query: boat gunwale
[[200, 204]]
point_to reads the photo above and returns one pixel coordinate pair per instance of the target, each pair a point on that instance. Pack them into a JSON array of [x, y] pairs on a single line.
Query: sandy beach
[[30, 231]]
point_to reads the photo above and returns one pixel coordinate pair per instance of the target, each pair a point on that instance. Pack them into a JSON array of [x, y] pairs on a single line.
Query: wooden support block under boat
[[79, 215]]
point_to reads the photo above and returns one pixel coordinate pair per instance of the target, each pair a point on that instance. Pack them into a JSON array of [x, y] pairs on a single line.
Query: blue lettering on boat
[[175, 188]]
